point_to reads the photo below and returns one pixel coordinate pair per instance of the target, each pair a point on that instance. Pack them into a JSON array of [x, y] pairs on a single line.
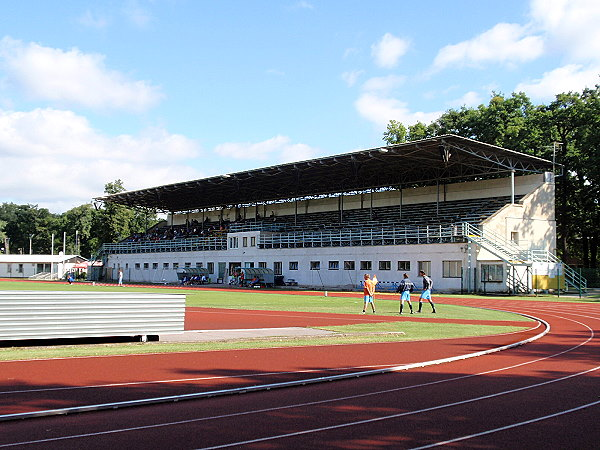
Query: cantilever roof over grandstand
[[442, 159]]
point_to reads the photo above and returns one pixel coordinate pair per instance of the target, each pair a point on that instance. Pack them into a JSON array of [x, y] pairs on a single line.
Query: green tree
[[395, 133], [573, 119], [79, 222], [116, 222]]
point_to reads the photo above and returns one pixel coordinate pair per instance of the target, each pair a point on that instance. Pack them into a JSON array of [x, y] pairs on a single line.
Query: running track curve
[[541, 395]]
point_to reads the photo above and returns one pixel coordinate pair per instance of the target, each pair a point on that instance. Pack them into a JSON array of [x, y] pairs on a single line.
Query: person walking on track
[[405, 288], [369, 291], [426, 293]]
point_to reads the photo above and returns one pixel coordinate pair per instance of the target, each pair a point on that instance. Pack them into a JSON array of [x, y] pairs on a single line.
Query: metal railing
[[512, 254], [363, 237], [173, 245]]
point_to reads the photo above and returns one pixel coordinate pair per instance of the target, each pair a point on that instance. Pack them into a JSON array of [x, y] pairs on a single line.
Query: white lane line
[[508, 427], [181, 380], [314, 430], [395, 416], [255, 388], [202, 419]]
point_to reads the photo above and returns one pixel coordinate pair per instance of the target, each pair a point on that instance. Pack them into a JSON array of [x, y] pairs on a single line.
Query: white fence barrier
[[53, 315]]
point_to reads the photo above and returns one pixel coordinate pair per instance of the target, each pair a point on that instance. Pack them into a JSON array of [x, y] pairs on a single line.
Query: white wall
[[323, 278]]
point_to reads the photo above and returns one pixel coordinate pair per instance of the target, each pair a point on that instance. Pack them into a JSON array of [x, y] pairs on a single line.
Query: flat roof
[[447, 158]]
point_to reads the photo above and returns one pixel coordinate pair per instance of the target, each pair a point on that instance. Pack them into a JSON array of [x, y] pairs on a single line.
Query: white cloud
[[388, 51], [304, 5], [505, 43], [572, 77], [73, 78], [55, 159], [571, 26], [350, 78], [380, 111], [92, 20], [136, 14], [469, 99], [279, 149], [383, 84]]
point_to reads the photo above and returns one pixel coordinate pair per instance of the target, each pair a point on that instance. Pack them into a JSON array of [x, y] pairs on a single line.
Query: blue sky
[[160, 91]]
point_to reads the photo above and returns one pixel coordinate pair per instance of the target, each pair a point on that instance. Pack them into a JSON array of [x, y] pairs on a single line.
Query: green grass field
[[386, 304]]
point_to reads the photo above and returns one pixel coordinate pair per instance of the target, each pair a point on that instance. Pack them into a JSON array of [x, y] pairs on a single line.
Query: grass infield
[[386, 305]]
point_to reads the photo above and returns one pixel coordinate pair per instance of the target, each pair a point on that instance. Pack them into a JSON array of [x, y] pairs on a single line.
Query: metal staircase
[[513, 255]]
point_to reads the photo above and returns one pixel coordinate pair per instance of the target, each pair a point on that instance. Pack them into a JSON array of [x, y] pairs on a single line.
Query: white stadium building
[[475, 217]]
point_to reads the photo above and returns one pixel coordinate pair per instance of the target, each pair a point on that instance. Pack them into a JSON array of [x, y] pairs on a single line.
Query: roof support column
[[437, 201], [341, 207], [512, 187], [400, 205], [371, 208], [296, 211]]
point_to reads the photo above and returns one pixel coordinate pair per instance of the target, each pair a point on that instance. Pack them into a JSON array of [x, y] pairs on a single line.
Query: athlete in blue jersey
[[426, 293]]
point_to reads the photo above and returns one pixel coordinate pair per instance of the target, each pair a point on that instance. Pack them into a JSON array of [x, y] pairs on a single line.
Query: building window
[[334, 265], [492, 273], [210, 267], [199, 265], [146, 266], [262, 264], [278, 267], [253, 241], [175, 265], [249, 265], [425, 266], [137, 266], [187, 265], [366, 265], [385, 265], [404, 266], [126, 265], [293, 265], [245, 241], [165, 265], [20, 268], [451, 269], [315, 265], [9, 268], [155, 266], [514, 237], [348, 265], [234, 242]]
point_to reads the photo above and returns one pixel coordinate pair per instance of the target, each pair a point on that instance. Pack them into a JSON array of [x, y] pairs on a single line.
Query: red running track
[[541, 395]]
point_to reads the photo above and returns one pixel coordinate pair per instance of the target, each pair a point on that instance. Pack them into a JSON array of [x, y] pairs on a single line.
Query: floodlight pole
[[52, 254]]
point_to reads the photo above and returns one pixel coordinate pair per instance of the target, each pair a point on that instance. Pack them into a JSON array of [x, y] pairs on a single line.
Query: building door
[[222, 268], [233, 266]]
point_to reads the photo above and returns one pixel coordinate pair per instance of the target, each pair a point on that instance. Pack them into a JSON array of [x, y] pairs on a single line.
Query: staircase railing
[[512, 254], [504, 249]]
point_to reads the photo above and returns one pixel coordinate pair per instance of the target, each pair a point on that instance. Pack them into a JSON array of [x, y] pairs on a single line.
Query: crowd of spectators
[[189, 230]]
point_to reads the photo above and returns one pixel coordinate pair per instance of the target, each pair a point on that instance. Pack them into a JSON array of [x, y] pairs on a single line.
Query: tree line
[[566, 131], [25, 228]]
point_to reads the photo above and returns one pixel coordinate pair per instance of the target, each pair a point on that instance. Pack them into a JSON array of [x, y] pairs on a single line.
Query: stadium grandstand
[[474, 216]]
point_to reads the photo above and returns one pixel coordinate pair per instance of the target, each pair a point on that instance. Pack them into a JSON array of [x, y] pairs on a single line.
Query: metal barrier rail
[[75, 314]]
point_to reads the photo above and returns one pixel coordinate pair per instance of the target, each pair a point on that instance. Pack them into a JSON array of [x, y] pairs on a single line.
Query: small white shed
[[26, 266]]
